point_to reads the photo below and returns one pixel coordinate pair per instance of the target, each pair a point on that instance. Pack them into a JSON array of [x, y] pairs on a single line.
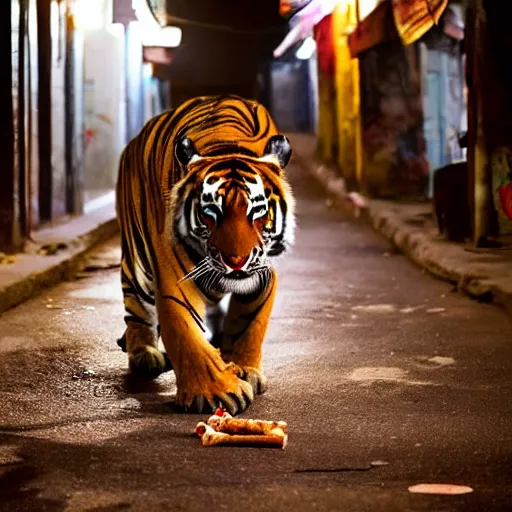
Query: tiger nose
[[234, 262]]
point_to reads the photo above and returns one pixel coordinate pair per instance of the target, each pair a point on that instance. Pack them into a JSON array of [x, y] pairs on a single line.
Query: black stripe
[[193, 312], [228, 149], [190, 309], [140, 292], [136, 319]]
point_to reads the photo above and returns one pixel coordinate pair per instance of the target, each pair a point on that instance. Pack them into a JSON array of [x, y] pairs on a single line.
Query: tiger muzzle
[[234, 262]]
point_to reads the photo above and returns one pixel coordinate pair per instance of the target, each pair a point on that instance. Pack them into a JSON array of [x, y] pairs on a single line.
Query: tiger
[[204, 209]]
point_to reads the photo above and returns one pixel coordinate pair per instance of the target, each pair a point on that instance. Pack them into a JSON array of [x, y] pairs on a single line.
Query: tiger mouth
[[237, 274]]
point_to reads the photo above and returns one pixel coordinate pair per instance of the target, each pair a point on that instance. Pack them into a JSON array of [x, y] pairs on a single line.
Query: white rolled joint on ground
[[223, 429]]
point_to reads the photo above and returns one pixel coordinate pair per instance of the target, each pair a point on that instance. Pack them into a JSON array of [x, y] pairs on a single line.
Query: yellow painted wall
[[346, 81], [326, 146]]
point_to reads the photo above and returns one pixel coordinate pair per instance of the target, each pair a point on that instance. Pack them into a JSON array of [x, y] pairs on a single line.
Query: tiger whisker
[[203, 271], [200, 268]]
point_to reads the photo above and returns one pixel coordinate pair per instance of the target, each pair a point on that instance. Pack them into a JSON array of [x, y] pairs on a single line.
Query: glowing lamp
[[166, 37], [153, 34], [88, 15]]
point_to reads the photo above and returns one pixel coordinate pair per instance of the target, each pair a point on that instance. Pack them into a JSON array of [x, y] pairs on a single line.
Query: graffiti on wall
[[395, 164], [98, 141], [502, 187]]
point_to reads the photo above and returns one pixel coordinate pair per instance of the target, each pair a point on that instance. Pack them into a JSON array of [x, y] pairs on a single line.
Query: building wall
[[313, 87], [394, 150], [134, 81], [76, 135], [58, 122], [327, 105], [10, 206], [104, 107], [346, 79], [443, 106], [32, 121], [292, 96]]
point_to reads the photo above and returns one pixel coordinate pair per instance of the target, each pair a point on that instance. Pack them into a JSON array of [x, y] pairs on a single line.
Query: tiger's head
[[233, 212]]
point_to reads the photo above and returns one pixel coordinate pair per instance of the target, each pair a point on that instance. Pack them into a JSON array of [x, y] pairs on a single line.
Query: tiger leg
[[141, 336], [244, 332], [203, 379]]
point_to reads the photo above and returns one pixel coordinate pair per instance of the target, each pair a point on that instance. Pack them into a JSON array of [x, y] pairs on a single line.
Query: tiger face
[[235, 214]]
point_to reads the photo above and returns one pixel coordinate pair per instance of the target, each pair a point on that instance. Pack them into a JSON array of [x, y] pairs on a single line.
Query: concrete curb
[[34, 272], [442, 259], [487, 281]]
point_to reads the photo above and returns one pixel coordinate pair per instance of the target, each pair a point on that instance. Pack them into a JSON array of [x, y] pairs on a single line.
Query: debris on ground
[[447, 489], [376, 308], [52, 248], [378, 463], [7, 259]]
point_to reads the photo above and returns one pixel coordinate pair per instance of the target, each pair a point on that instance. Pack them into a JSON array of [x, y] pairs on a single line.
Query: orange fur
[[151, 189]]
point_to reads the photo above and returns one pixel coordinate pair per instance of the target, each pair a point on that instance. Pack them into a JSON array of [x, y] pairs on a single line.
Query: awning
[[378, 27], [414, 18], [304, 22], [408, 20]]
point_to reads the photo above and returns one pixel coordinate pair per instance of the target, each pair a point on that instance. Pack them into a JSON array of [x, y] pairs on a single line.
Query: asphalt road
[[386, 378]]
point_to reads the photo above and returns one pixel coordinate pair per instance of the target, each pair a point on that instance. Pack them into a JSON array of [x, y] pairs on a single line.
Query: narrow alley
[[386, 378]]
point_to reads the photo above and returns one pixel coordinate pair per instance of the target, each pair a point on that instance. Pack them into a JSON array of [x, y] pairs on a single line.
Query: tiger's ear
[[278, 147], [185, 151]]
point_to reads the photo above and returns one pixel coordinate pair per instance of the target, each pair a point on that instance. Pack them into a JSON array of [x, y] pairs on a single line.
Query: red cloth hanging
[[325, 47]]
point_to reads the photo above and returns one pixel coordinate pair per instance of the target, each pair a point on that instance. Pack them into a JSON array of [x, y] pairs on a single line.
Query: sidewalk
[[54, 255], [483, 274]]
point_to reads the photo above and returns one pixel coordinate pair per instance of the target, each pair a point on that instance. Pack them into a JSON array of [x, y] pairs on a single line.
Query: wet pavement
[[387, 379]]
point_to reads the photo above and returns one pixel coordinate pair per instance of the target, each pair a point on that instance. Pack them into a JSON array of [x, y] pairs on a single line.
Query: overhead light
[[153, 34], [144, 13], [166, 37], [306, 49], [88, 15], [366, 7]]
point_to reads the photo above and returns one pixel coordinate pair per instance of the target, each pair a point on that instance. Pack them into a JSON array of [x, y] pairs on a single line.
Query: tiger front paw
[[148, 362], [215, 389], [254, 376]]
